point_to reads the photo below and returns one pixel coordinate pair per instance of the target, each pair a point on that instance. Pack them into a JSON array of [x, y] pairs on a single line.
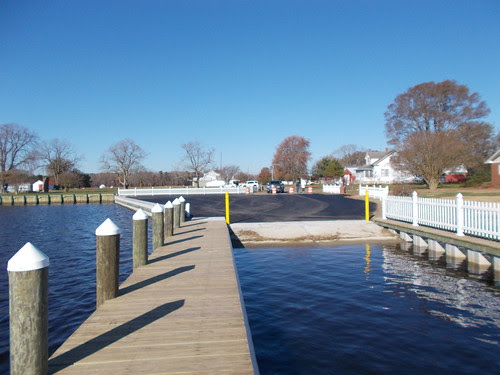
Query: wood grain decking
[[182, 313]]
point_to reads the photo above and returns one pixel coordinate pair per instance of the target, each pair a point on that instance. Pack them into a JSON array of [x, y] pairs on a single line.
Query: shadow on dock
[[173, 255], [163, 276], [94, 345]]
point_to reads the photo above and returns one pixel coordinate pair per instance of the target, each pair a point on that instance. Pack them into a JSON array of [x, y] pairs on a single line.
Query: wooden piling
[[182, 210], [140, 239], [177, 207], [157, 217], [169, 220], [107, 261], [28, 311]]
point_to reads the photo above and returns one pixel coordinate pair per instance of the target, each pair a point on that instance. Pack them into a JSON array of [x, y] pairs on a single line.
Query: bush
[[402, 190]]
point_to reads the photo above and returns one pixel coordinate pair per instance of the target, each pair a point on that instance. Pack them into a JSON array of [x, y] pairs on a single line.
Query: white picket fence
[[481, 219], [376, 192], [181, 191], [332, 189]]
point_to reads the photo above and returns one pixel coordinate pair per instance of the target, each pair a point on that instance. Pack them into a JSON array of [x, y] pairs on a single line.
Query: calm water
[[366, 310], [338, 310], [66, 234]]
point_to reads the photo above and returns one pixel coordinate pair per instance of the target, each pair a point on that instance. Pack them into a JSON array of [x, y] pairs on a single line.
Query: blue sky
[[238, 76]]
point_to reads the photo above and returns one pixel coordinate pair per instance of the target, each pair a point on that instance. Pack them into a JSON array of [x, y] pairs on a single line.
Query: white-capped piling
[[188, 210], [157, 217], [182, 210], [28, 273], [169, 220], [177, 207], [140, 239], [107, 261]]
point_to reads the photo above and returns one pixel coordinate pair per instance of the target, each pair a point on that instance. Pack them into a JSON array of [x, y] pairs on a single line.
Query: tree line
[[432, 127]]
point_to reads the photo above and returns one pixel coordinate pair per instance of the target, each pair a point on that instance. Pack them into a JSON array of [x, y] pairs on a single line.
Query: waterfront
[[65, 233], [357, 309], [347, 309]]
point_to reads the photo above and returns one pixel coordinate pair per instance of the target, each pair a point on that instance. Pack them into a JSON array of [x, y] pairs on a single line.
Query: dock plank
[[182, 313]]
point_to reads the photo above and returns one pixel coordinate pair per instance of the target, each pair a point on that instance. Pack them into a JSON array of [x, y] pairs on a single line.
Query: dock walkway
[[181, 313]]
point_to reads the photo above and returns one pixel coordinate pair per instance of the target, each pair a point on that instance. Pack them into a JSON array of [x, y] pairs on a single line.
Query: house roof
[[495, 158], [376, 154], [384, 156]]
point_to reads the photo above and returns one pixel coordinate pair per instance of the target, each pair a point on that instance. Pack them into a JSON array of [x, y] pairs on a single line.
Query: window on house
[[384, 173]]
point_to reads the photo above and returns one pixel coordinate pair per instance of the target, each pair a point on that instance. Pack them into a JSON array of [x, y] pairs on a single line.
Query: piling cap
[[107, 228], [28, 258], [140, 215], [156, 208], [169, 205], [181, 199], [176, 201]]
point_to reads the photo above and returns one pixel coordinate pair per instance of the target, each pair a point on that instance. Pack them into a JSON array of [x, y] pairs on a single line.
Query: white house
[[378, 169], [210, 179], [37, 186]]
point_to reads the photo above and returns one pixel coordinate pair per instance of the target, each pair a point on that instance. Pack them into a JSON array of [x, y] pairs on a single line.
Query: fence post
[[176, 204], [157, 217], [182, 210], [414, 196], [107, 261], [28, 273], [169, 220], [460, 214], [384, 208], [139, 239]]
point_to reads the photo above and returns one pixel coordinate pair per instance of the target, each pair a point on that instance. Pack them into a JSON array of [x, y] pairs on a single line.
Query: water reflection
[[367, 259], [465, 303]]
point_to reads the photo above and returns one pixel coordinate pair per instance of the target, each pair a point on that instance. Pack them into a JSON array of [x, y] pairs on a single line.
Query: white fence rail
[[332, 189], [181, 191], [481, 219], [377, 192]]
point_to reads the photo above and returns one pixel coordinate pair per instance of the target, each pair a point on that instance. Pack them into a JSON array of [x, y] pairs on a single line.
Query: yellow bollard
[[227, 208], [367, 206]]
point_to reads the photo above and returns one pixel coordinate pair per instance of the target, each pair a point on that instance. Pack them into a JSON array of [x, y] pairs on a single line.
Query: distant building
[[378, 169], [494, 160], [210, 179], [37, 187]]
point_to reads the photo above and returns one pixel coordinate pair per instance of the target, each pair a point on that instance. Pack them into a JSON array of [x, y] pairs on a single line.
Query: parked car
[[252, 184], [280, 187]]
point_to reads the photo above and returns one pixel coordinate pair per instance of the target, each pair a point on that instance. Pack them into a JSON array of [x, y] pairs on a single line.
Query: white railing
[[377, 192], [135, 192], [332, 189], [481, 219]]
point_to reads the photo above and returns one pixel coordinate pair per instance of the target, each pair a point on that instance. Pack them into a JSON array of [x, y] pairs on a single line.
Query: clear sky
[[238, 76]]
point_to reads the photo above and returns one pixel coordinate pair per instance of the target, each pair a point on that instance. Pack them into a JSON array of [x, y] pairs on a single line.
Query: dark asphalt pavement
[[274, 208]]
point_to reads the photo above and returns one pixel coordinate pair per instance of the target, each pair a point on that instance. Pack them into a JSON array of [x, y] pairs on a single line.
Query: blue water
[[66, 234], [323, 310], [354, 309]]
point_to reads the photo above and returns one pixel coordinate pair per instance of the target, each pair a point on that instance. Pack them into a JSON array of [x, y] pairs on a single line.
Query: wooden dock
[[182, 313]]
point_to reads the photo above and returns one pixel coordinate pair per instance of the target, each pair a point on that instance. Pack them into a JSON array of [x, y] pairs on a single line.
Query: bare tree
[[291, 157], [104, 178], [58, 157], [445, 115], [124, 158], [265, 175], [197, 159], [16, 148], [428, 154], [228, 172], [350, 155]]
